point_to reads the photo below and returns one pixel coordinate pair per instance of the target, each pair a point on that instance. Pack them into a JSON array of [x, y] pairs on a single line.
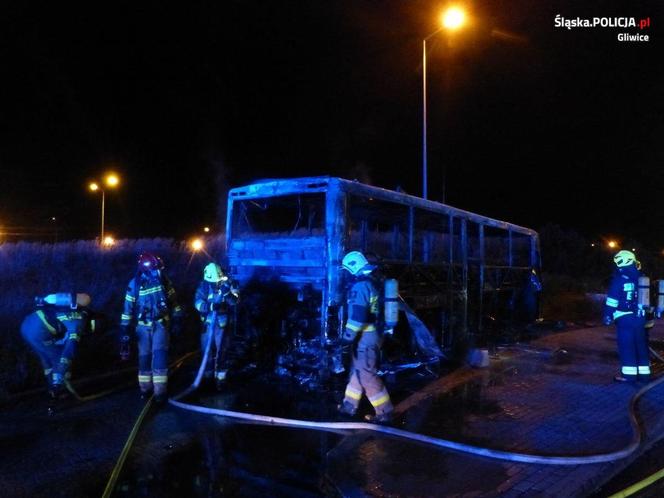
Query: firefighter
[[622, 308], [53, 330], [214, 297], [362, 332], [151, 306]]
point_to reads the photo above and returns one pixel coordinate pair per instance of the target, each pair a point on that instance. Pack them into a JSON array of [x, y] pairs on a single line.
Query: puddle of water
[[449, 414], [207, 456]]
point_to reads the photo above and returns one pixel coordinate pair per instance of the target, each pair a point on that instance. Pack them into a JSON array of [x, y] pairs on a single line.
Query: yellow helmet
[[213, 273], [355, 262], [624, 258]]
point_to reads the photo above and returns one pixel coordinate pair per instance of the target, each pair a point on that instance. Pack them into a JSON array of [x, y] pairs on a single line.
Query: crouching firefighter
[[362, 331], [53, 331], [214, 298], [150, 303], [623, 308]]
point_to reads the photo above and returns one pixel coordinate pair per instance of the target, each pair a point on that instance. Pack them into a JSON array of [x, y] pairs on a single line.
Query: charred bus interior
[[467, 279]]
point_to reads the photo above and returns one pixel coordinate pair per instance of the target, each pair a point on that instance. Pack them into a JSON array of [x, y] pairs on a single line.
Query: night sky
[[533, 124]]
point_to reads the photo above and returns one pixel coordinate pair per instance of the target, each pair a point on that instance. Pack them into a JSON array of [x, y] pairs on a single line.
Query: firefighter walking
[[362, 332], [53, 331], [214, 298], [150, 303], [623, 308]]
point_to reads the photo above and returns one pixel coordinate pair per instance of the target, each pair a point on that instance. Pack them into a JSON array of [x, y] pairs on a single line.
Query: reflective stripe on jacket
[[362, 308], [155, 300], [622, 296], [209, 293]]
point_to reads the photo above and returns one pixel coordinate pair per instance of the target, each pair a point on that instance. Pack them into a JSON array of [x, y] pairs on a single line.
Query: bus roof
[[288, 186]]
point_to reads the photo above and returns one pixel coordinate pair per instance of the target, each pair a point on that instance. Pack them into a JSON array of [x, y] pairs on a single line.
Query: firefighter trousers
[[633, 346], [153, 343], [363, 376], [46, 347], [216, 365]]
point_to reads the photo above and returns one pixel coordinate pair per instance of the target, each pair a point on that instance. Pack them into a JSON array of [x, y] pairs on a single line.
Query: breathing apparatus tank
[[660, 298], [643, 295], [64, 299], [391, 291]]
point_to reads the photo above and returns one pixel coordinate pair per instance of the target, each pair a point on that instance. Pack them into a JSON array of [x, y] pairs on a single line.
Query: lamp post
[[111, 180], [452, 19]]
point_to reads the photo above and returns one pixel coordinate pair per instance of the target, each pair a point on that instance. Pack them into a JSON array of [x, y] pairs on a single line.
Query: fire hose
[[637, 430], [342, 427], [110, 485]]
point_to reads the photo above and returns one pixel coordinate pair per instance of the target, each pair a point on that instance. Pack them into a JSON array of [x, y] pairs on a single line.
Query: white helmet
[[625, 258], [356, 263], [213, 273]]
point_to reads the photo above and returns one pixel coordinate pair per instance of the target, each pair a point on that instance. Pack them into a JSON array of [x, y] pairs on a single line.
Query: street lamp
[[110, 180], [451, 19], [197, 245]]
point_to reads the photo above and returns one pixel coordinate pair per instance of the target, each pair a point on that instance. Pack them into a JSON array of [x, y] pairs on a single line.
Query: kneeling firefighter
[[214, 297], [364, 333], [53, 330], [622, 307], [150, 303]]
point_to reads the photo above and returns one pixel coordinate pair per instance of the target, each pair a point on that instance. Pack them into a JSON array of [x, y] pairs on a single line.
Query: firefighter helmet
[[624, 258], [149, 262], [213, 273], [356, 263]]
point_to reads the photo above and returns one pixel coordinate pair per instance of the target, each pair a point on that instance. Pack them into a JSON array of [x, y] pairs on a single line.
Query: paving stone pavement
[[552, 396]]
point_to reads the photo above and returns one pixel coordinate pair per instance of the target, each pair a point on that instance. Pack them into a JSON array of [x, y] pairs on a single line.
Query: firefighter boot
[[347, 409], [384, 418]]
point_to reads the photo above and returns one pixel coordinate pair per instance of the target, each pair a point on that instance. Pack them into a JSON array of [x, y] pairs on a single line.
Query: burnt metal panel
[[459, 281]]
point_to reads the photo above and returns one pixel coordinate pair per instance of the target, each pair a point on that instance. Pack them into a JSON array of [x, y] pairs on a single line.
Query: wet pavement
[[68, 454], [552, 396]]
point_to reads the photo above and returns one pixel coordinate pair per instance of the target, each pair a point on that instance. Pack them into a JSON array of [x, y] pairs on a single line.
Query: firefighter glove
[[57, 378], [125, 348], [348, 336]]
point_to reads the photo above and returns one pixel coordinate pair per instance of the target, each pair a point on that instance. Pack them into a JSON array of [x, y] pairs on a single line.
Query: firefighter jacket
[[215, 297], [150, 299], [362, 308], [57, 327], [621, 298]]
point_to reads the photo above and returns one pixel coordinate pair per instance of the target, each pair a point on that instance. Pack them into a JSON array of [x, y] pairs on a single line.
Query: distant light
[[612, 244], [206, 229], [197, 244], [112, 180], [93, 186], [52, 218], [633, 250], [592, 245], [109, 241], [453, 18]]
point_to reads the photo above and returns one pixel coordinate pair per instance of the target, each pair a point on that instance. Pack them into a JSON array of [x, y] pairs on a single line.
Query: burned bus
[[461, 273]]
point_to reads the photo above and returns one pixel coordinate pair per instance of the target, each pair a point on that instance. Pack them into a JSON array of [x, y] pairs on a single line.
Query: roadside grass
[[29, 269]]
